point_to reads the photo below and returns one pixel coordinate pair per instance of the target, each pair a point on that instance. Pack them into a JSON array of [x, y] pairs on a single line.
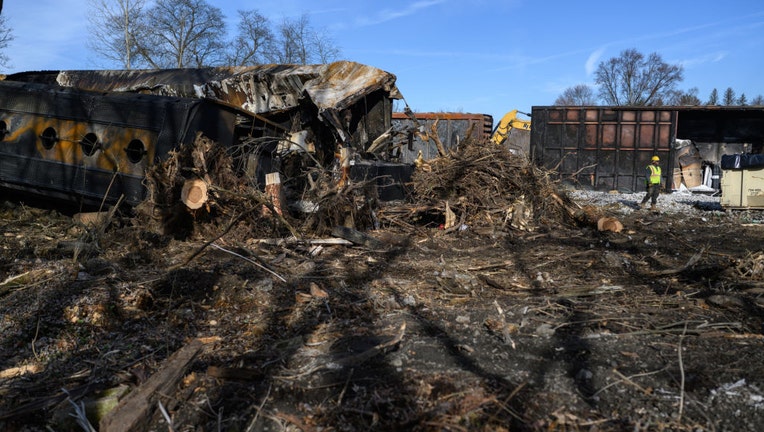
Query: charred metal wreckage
[[89, 136]]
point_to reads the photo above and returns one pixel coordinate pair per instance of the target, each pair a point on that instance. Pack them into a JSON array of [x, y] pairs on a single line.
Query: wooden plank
[[134, 412]]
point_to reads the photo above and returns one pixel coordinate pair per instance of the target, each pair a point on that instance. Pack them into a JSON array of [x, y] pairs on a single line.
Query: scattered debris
[[479, 302]]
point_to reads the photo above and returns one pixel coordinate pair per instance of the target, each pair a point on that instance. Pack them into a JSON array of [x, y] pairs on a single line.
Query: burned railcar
[[101, 121], [343, 102], [66, 143]]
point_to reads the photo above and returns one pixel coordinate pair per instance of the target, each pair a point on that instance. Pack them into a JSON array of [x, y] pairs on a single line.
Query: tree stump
[[194, 193]]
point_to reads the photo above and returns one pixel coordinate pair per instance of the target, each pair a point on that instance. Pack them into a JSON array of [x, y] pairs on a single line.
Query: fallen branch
[[250, 261], [628, 379], [135, 410], [690, 263], [357, 237], [681, 371], [299, 241]]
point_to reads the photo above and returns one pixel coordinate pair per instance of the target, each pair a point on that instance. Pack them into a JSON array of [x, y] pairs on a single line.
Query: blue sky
[[472, 56]]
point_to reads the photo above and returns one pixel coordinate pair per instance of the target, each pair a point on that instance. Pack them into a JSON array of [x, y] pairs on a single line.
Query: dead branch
[[681, 371], [209, 242], [629, 380], [433, 135], [250, 261], [357, 237], [689, 264]]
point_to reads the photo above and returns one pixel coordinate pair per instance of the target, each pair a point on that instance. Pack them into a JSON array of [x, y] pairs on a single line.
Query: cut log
[[134, 412], [235, 373], [609, 224], [92, 218], [194, 193]]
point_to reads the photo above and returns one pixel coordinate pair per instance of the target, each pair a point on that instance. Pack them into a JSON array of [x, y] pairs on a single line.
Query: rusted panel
[[621, 140], [628, 135], [646, 135], [600, 147]]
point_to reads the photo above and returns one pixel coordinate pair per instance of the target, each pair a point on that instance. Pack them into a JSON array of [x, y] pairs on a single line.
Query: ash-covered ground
[[522, 316]]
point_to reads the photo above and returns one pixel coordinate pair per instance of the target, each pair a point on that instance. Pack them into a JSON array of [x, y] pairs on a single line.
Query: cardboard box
[[743, 188]]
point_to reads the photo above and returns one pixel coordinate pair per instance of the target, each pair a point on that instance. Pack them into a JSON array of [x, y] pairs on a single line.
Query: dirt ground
[[488, 328]]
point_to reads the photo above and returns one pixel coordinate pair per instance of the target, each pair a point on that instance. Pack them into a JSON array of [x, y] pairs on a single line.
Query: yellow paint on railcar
[[92, 145]]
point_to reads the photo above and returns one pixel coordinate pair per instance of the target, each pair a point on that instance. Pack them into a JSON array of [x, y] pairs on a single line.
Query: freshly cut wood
[[18, 371], [274, 193], [92, 218], [194, 193], [609, 224]]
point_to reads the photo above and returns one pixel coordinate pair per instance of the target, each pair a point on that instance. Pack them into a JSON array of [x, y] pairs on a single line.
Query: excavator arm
[[507, 123]]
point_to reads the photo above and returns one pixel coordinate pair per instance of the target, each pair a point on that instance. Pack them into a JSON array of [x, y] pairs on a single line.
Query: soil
[[487, 327]]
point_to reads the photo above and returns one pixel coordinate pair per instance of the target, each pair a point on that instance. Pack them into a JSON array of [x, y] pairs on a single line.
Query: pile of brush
[[482, 183]]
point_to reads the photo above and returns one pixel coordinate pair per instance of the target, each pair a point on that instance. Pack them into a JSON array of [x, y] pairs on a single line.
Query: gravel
[[682, 201]]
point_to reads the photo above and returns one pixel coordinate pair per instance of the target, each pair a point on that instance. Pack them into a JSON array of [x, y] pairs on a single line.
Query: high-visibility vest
[[655, 174]]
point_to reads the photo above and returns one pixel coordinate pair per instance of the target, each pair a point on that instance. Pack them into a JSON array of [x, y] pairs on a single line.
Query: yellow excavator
[[507, 123]]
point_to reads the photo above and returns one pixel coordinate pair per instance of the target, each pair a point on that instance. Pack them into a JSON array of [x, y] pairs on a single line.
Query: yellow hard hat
[[655, 158]]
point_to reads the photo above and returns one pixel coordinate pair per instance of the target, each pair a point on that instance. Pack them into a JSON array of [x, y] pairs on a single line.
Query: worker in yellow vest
[[653, 180]]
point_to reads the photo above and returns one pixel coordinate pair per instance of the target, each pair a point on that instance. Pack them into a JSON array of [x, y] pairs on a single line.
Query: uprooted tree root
[[232, 200], [314, 202], [352, 204]]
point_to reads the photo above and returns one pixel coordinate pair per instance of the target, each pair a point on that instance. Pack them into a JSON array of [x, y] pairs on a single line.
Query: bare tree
[[254, 41], [6, 36], [633, 80], [686, 98], [758, 100], [114, 25], [325, 47], [299, 43], [713, 98], [183, 33], [578, 95], [729, 96], [292, 43]]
